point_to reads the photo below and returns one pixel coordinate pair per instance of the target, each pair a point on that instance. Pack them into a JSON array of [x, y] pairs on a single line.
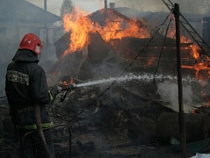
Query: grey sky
[[93, 5], [55, 5], [141, 5]]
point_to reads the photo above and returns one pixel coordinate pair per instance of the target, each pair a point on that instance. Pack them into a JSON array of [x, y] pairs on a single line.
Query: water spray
[[130, 77], [126, 78]]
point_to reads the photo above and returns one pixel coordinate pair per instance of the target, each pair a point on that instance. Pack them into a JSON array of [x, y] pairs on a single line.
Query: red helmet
[[32, 42]]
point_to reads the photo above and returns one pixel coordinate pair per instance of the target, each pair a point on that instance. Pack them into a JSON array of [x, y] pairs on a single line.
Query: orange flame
[[66, 83], [150, 61], [195, 52], [72, 80], [81, 26], [115, 30], [184, 39], [198, 67]]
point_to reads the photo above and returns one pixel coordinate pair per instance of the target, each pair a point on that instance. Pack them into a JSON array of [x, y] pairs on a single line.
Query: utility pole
[[105, 8], [45, 5], [45, 9], [182, 131], [105, 4]]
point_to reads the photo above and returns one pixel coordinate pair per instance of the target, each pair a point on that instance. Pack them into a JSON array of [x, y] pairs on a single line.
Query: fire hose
[[65, 88], [40, 130]]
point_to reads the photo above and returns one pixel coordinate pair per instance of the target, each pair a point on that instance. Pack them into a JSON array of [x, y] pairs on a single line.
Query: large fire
[[80, 27]]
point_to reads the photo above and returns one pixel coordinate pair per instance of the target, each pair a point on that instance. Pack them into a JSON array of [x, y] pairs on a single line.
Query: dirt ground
[[104, 143]]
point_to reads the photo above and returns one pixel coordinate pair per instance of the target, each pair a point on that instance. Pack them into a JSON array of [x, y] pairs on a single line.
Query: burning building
[[111, 40], [114, 51], [125, 102]]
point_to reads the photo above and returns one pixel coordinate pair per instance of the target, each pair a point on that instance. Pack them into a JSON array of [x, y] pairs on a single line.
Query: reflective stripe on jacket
[[30, 127]]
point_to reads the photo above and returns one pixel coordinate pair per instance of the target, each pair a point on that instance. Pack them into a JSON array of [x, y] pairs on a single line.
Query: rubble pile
[[109, 119]]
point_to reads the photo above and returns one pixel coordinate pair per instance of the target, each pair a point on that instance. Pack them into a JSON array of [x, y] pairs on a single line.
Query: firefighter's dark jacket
[[26, 86]]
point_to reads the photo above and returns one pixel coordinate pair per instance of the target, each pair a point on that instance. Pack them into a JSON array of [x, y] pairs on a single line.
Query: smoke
[[192, 6], [7, 51], [187, 6], [142, 5], [167, 88], [169, 93]]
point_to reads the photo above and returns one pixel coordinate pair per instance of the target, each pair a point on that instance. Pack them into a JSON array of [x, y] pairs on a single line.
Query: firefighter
[[25, 87]]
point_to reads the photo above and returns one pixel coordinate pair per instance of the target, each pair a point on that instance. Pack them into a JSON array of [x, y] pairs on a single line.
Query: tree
[[67, 7]]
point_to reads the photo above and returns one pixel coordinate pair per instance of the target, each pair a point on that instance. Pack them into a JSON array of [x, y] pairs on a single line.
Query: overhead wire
[[161, 52], [135, 58]]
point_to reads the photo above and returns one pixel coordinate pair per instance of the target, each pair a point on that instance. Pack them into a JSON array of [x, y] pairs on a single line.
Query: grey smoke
[[168, 91]]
